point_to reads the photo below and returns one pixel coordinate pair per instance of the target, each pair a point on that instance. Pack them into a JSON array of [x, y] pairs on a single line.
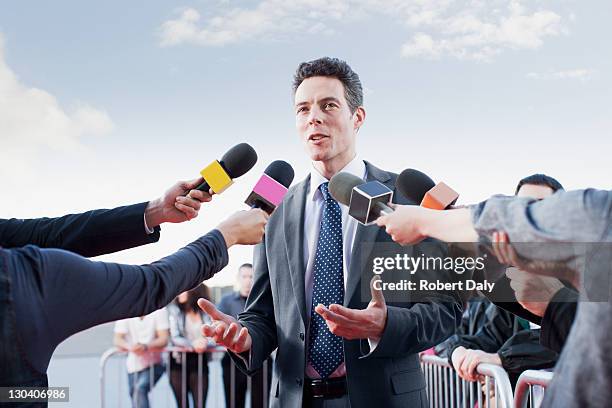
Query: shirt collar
[[355, 167]]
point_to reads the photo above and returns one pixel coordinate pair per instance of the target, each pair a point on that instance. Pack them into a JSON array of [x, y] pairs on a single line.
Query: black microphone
[[271, 187], [424, 191], [414, 184], [366, 200], [235, 162]]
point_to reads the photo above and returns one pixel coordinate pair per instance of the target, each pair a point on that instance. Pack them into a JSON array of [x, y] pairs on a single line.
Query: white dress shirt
[[312, 224]]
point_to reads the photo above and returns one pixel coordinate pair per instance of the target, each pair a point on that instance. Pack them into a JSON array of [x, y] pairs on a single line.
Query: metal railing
[[202, 360], [446, 389], [530, 388]]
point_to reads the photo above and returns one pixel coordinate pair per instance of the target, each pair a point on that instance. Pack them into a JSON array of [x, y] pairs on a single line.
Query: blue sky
[[106, 103]]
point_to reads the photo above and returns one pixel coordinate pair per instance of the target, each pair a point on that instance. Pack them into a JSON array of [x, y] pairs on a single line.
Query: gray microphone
[[366, 200]]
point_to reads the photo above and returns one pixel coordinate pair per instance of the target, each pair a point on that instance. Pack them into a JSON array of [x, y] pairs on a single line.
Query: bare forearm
[[121, 343], [450, 225], [158, 343]]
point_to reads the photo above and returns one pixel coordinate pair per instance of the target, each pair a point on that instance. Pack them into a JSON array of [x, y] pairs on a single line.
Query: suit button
[[302, 336], [298, 381]]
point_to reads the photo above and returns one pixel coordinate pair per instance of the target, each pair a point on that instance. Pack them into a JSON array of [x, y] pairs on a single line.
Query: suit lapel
[[365, 238], [293, 216]]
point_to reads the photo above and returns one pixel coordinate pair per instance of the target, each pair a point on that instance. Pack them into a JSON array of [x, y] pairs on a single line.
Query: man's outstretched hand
[[368, 323], [224, 329]]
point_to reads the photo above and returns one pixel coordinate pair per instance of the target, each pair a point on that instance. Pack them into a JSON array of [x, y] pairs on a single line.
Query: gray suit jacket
[[276, 316]]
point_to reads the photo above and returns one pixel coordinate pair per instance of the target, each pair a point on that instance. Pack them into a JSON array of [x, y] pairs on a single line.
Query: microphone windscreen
[[414, 184], [280, 171], [239, 159], [341, 186]]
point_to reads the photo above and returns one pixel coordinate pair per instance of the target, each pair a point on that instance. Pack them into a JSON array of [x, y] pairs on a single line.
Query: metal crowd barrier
[[530, 388], [447, 390], [167, 355]]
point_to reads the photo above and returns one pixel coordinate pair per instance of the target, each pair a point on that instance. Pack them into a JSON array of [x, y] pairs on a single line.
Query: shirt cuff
[[373, 344], [148, 230]]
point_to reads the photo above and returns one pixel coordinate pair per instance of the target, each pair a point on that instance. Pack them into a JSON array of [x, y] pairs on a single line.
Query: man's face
[[534, 191], [323, 119], [245, 280]]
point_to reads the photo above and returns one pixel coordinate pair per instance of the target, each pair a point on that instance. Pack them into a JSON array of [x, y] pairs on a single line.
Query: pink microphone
[[271, 187]]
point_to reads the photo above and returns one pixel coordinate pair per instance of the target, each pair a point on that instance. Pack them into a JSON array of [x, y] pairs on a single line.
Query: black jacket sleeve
[[558, 319], [57, 293], [523, 351], [492, 335], [92, 233], [474, 317]]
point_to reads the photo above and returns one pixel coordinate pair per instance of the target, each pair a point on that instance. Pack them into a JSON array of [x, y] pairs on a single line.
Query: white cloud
[[270, 19], [472, 29], [31, 119], [581, 74], [480, 32]]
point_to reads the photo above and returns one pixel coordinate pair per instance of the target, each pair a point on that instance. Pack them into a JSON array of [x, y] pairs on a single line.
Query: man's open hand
[[368, 323], [224, 329]]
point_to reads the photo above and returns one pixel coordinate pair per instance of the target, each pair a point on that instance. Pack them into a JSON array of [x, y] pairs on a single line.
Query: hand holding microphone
[[173, 206], [244, 227], [405, 224], [182, 201], [411, 224]]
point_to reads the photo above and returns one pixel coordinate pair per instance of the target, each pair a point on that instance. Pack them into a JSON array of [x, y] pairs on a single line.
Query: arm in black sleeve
[[523, 351], [492, 335], [448, 344], [558, 319], [88, 234], [57, 293]]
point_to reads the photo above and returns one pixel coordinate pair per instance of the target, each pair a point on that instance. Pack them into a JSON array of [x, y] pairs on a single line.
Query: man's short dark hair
[[246, 265], [540, 180], [335, 68]]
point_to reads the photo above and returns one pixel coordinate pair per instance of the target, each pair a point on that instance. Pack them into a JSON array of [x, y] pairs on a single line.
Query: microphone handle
[[203, 187], [383, 209], [263, 206]]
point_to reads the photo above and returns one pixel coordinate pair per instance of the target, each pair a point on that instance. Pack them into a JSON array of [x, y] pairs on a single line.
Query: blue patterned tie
[[326, 350]]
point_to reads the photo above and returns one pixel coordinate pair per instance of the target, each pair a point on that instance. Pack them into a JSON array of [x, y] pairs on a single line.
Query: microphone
[[366, 200], [418, 187], [414, 184], [235, 162], [271, 186]]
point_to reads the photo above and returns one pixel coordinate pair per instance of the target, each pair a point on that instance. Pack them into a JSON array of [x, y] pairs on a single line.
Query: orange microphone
[[440, 197], [419, 188]]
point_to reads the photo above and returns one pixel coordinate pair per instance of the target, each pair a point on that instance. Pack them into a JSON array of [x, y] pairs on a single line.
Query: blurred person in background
[[186, 318], [143, 337]]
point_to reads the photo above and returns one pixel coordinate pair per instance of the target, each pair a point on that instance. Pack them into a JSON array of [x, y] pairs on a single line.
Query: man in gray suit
[[334, 349]]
